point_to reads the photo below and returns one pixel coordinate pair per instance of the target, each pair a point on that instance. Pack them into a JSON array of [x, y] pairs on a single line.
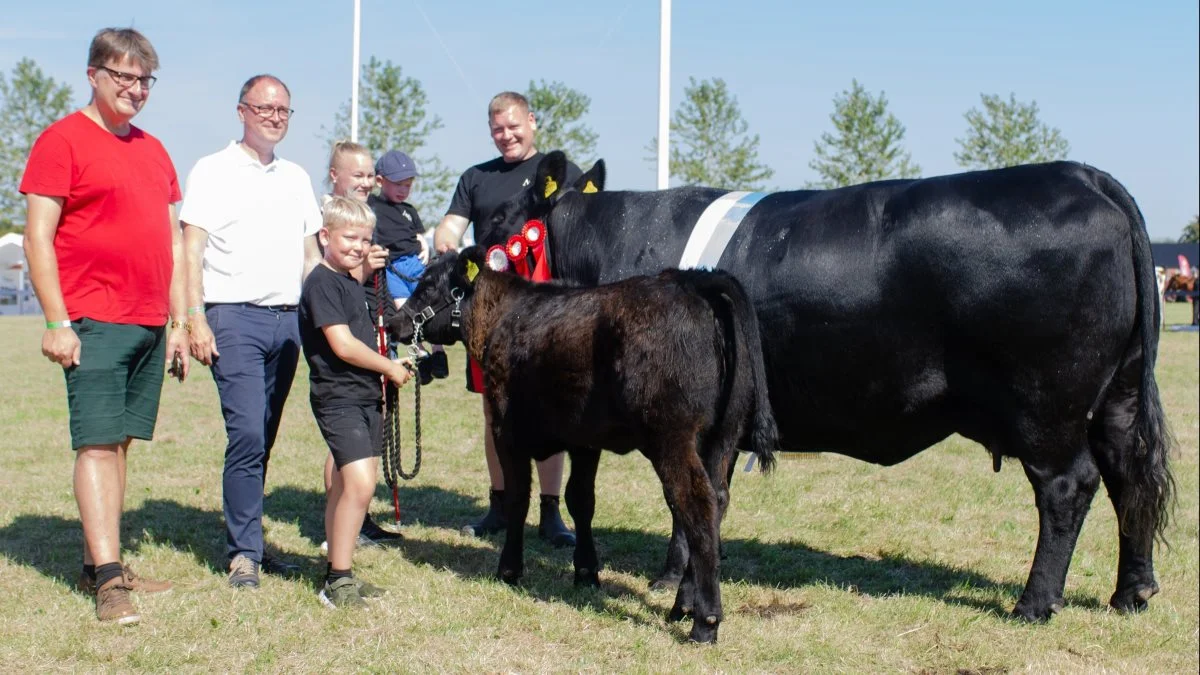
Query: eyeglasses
[[126, 80], [265, 111]]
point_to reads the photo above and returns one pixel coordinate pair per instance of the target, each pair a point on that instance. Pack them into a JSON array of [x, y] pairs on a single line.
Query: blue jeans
[[410, 266], [259, 348]]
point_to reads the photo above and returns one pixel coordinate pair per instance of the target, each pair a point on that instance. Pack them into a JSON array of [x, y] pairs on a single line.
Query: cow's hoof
[[1133, 599], [704, 632], [508, 576], [678, 613], [666, 582], [1030, 614], [587, 578]]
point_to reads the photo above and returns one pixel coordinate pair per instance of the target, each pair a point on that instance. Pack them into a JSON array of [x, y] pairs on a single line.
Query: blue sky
[[1120, 81]]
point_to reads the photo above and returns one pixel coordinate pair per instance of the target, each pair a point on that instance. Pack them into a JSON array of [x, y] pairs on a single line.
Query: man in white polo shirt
[[250, 223]]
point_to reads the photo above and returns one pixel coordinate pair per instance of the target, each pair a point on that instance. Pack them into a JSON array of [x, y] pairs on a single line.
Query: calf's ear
[[593, 180], [551, 176], [470, 261]]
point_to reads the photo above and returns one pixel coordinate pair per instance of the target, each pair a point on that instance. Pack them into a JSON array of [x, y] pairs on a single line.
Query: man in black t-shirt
[[481, 189]]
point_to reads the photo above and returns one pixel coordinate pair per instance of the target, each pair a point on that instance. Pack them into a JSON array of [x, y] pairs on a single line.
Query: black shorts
[[352, 431]]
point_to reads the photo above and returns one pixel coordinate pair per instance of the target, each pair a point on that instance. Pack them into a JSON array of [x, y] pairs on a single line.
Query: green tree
[[29, 102], [1007, 133], [558, 110], [865, 145], [1191, 232], [392, 116], [709, 140]]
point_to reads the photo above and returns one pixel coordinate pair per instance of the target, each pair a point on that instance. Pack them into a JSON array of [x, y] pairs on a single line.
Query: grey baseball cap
[[396, 166]]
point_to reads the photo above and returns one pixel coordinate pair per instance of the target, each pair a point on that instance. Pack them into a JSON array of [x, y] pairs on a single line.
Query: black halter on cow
[[1015, 307], [669, 365]]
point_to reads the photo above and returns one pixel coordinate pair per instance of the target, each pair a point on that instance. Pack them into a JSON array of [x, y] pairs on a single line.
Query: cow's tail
[[1150, 487], [721, 288]]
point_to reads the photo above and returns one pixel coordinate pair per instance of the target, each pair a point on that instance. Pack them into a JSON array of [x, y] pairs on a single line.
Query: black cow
[[877, 347], [669, 365]]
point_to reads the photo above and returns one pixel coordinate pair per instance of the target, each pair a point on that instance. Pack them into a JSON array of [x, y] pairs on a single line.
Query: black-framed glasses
[[126, 80], [265, 111]]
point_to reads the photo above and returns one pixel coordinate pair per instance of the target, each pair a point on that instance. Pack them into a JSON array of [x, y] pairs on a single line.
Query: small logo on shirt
[[405, 214], [527, 183]]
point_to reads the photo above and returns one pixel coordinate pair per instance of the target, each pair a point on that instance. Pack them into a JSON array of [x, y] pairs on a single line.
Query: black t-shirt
[[484, 187], [329, 299], [397, 227]]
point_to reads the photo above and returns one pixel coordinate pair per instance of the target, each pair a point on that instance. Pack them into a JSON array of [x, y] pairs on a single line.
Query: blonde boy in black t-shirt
[[338, 338]]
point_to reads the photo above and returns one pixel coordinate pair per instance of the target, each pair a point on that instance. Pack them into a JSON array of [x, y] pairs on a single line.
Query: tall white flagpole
[[354, 76], [664, 94]]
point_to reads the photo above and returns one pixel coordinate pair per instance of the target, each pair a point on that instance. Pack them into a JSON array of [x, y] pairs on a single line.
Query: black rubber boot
[[494, 521], [552, 528]]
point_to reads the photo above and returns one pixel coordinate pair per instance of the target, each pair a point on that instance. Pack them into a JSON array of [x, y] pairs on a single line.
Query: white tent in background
[[12, 253], [14, 284]]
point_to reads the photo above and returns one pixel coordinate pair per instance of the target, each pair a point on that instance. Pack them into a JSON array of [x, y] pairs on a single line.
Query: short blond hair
[[343, 212], [117, 43], [505, 100]]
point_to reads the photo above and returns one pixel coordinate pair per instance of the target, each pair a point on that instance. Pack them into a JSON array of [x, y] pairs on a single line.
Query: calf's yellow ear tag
[[589, 188], [551, 187], [472, 271]]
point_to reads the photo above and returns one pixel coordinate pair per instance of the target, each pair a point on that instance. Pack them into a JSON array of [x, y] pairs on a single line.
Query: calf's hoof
[[1133, 599], [587, 578], [704, 632], [666, 582], [1031, 614], [509, 576]]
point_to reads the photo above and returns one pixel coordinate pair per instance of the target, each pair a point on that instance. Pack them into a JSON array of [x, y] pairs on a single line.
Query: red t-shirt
[[113, 241]]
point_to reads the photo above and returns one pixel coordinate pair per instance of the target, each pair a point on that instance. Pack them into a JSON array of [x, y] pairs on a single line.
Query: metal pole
[[664, 94], [354, 76]]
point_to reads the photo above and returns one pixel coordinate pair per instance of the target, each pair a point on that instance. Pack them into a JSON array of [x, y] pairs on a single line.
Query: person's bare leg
[[489, 450], [353, 487], [329, 470], [98, 487], [550, 475]]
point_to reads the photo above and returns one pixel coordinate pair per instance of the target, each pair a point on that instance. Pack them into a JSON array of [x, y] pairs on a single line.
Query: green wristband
[[198, 309], [66, 323]]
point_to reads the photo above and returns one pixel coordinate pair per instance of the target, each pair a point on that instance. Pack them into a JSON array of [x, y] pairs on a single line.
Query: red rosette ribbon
[[517, 249], [534, 233], [497, 259]]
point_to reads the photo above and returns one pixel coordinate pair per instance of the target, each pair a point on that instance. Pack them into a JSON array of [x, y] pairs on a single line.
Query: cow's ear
[[551, 176], [593, 180]]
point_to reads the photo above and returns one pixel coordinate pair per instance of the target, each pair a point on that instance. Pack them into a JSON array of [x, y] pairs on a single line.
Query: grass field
[[833, 565]]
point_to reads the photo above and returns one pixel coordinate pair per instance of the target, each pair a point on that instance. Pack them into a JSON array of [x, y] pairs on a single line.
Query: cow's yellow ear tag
[[472, 271], [551, 187], [589, 188]]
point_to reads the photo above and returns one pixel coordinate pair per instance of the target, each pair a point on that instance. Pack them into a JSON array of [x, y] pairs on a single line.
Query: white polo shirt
[[257, 218]]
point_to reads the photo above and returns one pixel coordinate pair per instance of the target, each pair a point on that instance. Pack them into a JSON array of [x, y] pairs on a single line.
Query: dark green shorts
[[113, 393]]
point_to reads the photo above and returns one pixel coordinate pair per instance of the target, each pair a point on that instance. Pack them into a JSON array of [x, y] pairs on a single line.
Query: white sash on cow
[[715, 228]]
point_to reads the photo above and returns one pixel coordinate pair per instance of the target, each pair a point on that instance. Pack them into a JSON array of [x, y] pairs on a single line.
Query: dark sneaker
[[367, 589], [243, 572], [438, 365], [376, 535], [493, 521], [114, 604], [138, 584], [341, 594], [279, 567], [552, 528]]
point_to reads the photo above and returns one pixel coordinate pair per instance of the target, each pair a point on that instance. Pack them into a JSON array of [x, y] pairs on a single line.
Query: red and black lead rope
[[390, 452]]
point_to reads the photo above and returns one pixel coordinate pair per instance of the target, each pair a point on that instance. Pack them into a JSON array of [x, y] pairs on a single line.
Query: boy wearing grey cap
[[398, 229]]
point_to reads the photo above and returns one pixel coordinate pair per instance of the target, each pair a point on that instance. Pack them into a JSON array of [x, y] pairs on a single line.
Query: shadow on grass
[[50, 544]]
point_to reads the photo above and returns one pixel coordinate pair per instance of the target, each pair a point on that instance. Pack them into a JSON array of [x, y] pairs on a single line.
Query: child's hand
[[401, 371], [377, 258]]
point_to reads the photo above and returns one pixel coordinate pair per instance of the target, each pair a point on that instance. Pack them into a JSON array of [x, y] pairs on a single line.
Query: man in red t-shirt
[[105, 257]]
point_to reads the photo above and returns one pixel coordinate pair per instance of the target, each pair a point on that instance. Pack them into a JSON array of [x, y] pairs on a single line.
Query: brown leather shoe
[[138, 584], [114, 604]]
